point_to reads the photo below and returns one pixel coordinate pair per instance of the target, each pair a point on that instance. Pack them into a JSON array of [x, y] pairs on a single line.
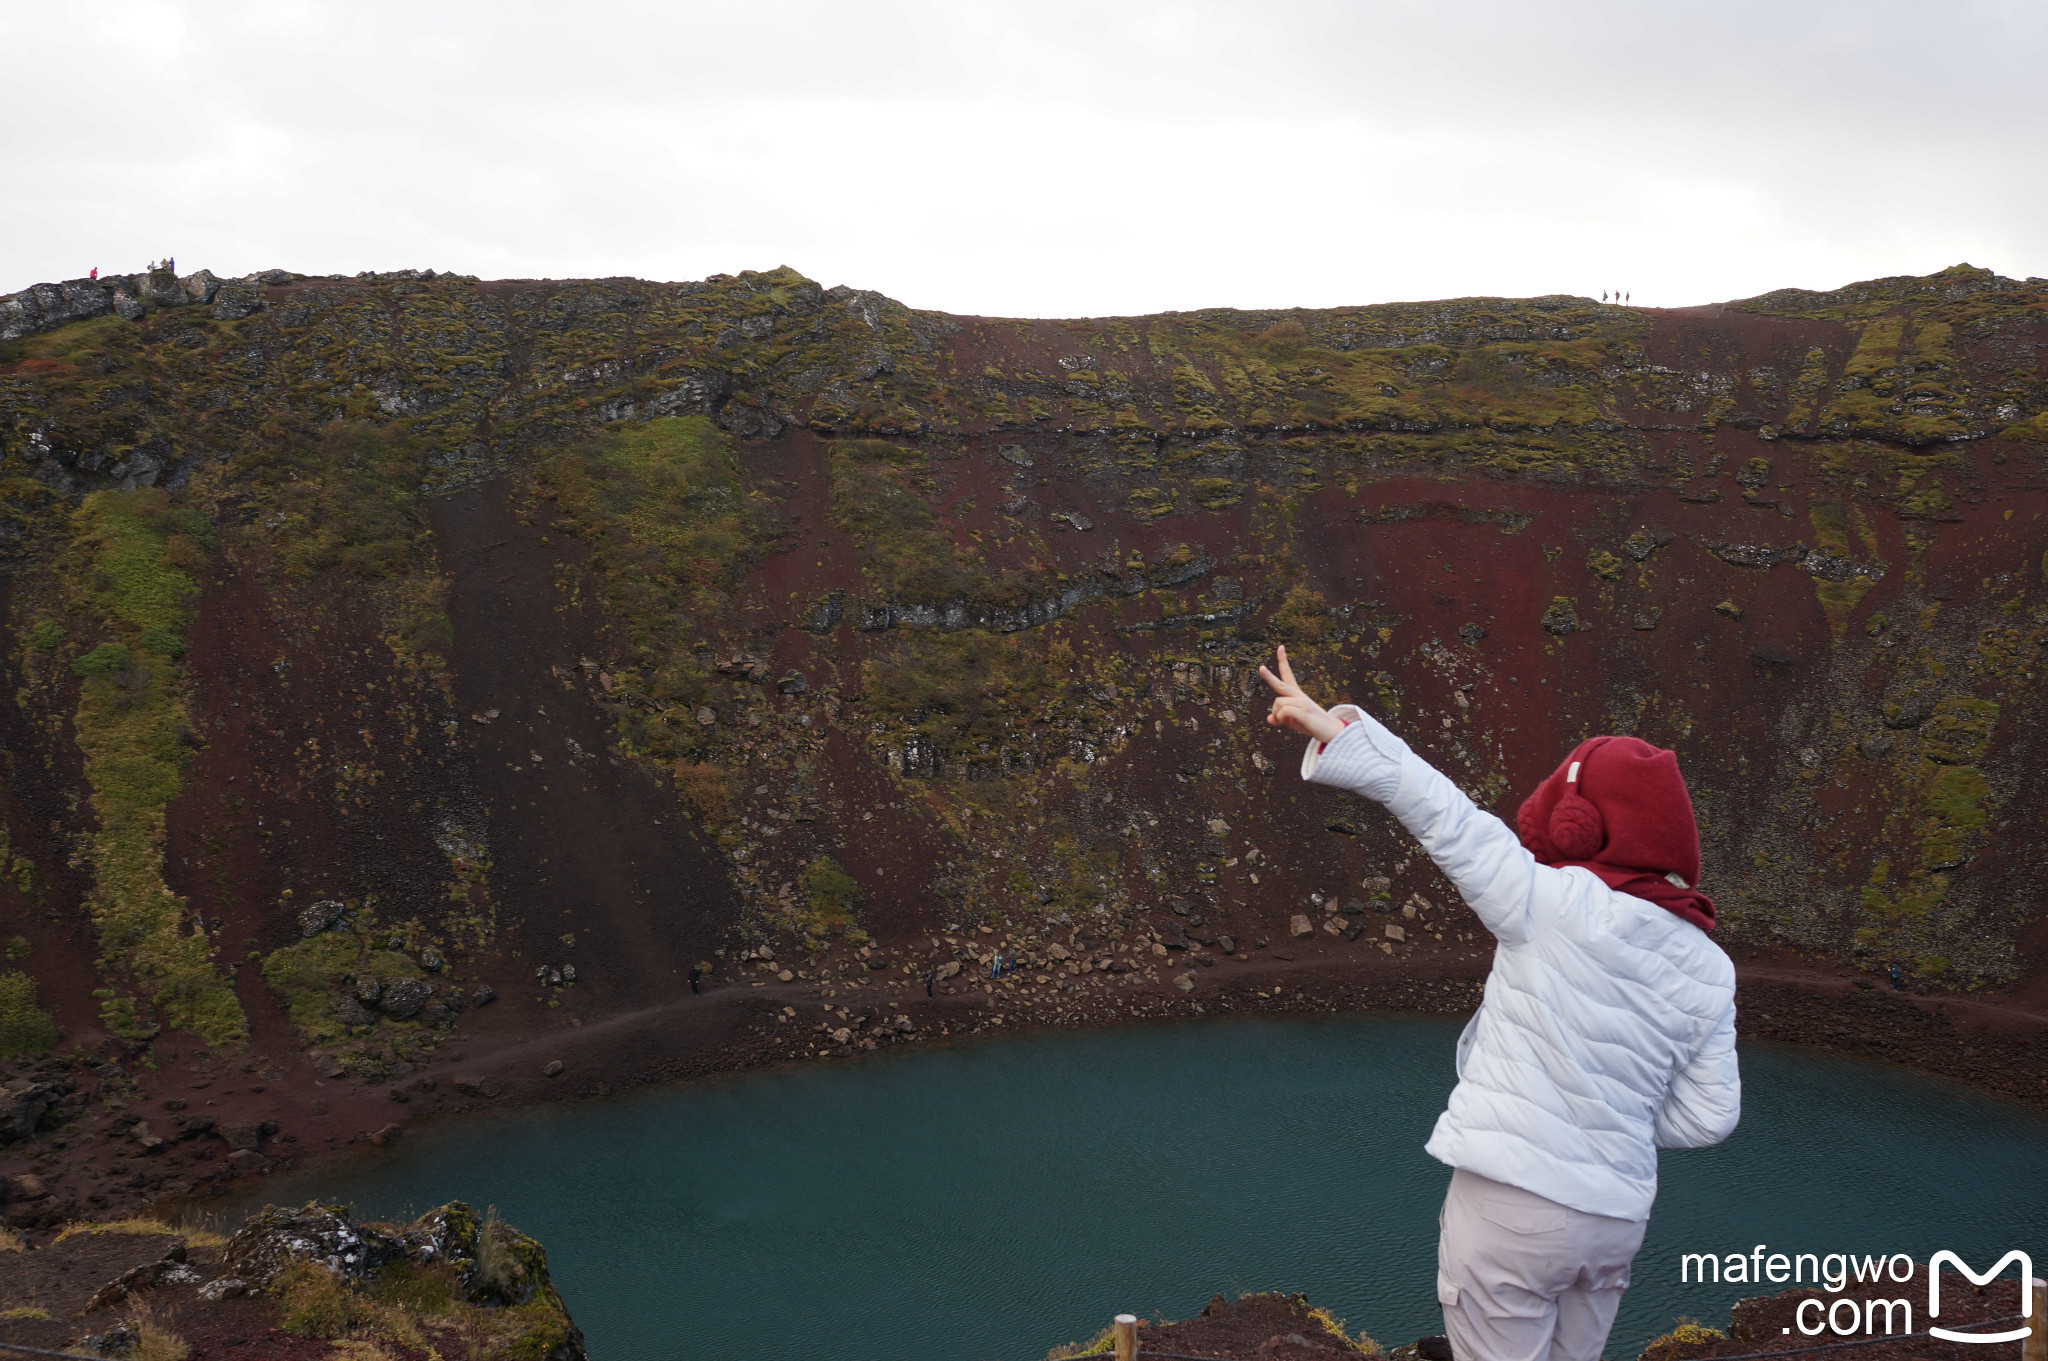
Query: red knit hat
[[1617, 806]]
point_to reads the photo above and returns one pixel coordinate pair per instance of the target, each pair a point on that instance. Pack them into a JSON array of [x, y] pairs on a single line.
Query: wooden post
[[1126, 1333], [2034, 1346]]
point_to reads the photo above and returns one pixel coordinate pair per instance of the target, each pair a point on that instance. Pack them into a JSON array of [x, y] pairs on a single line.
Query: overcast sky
[[1043, 159]]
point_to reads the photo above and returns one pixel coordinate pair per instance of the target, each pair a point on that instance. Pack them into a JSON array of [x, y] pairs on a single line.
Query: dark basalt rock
[[405, 998], [274, 1238]]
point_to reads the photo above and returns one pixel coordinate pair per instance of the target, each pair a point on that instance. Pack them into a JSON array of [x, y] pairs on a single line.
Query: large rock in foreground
[[451, 1282]]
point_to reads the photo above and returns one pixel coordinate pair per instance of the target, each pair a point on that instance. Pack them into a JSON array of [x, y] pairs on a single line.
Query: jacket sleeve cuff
[[1365, 758]]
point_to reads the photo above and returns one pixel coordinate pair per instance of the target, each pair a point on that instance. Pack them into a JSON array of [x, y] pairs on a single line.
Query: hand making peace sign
[[1292, 708]]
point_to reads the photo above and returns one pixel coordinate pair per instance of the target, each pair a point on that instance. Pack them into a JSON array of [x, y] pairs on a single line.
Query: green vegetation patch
[[831, 893], [967, 691], [131, 551], [308, 976], [1960, 731], [880, 497], [671, 529], [26, 1030], [346, 497]]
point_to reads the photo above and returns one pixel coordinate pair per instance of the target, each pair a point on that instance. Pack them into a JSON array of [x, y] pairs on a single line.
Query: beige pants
[[1522, 1278]]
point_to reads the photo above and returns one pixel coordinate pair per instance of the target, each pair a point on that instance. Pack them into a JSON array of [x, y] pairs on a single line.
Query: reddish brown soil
[[1279, 1327]]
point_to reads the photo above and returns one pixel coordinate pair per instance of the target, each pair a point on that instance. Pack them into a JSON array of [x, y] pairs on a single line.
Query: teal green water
[[994, 1200]]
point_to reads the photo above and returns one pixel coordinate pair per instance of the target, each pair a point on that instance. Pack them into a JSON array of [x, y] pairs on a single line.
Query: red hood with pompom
[[1617, 806]]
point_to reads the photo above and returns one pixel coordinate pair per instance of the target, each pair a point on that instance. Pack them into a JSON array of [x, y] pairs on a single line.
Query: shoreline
[[300, 1120]]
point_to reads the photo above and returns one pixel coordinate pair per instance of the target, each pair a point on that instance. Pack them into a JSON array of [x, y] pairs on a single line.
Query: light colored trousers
[[1523, 1278]]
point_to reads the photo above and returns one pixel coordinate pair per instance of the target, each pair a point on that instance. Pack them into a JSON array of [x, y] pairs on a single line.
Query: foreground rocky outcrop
[[287, 1284]]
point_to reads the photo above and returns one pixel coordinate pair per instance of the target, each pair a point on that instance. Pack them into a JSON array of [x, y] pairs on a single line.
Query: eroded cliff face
[[373, 640]]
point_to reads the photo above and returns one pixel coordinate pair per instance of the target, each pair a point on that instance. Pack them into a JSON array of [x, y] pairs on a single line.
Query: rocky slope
[[406, 666]]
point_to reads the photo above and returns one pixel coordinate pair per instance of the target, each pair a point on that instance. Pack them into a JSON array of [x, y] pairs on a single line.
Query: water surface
[[992, 1200]]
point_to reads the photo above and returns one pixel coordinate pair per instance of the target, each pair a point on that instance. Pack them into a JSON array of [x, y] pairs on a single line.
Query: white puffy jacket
[[1608, 1027]]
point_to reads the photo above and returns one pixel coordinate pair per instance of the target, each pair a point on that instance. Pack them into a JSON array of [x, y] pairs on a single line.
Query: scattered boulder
[[1185, 982], [1226, 942], [1298, 925], [554, 1068], [1395, 931], [23, 1186], [1562, 617], [247, 1162], [368, 989], [246, 1135], [317, 917], [119, 1340], [485, 995], [405, 997], [349, 1011], [1910, 704], [273, 1238], [431, 961], [24, 1105], [947, 970], [471, 1086]]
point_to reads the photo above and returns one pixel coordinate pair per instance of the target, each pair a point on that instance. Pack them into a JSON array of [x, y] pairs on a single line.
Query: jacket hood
[[1618, 806]]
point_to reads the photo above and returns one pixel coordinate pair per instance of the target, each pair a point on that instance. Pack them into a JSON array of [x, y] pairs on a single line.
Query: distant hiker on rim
[[1607, 1031]]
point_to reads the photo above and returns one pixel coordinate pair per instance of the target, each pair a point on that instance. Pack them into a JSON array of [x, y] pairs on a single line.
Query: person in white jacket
[[1607, 1030]]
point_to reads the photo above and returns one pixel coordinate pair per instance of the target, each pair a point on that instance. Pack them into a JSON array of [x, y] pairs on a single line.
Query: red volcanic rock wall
[[600, 630]]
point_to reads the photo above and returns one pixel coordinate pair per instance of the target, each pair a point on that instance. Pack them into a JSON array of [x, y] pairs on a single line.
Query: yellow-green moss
[[306, 977], [670, 528], [130, 552], [26, 1030], [831, 893]]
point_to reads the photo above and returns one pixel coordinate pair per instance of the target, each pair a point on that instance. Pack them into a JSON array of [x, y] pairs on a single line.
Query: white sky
[[1054, 158]]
